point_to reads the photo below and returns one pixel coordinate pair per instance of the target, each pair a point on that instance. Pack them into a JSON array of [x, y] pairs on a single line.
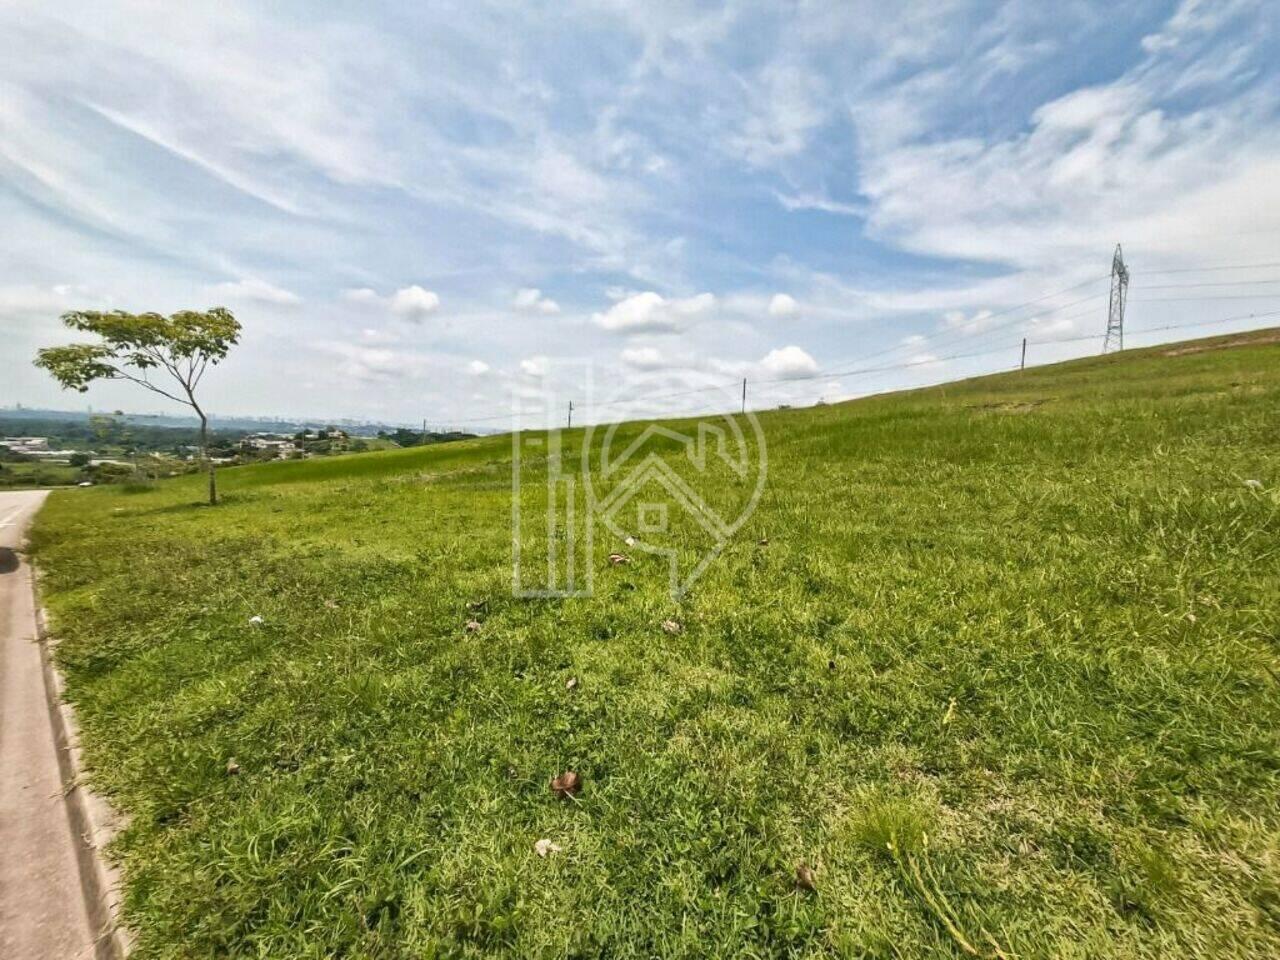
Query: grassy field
[[1005, 678], [23, 475]]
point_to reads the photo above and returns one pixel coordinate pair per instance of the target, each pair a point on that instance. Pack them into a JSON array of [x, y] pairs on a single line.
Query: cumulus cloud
[[783, 305], [535, 366], [253, 290], [414, 303], [477, 368], [650, 312], [531, 300], [788, 363]]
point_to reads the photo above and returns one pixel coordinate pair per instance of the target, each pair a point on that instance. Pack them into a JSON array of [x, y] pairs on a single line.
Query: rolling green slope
[[1005, 677]]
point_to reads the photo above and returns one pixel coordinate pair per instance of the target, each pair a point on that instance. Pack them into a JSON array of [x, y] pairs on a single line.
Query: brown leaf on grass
[[473, 626], [571, 683], [805, 877], [233, 768], [617, 559], [567, 784], [763, 541], [671, 626], [331, 604]]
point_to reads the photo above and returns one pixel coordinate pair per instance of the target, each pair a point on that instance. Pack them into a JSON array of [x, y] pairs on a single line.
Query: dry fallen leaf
[[233, 768], [567, 784], [671, 626], [331, 604], [544, 847], [763, 541], [630, 541], [618, 558], [805, 879], [571, 683], [473, 626]]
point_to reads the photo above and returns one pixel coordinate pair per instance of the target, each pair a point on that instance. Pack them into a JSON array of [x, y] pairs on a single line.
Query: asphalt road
[[43, 913]]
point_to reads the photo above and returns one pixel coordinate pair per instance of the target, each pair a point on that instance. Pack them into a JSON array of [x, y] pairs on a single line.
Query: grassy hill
[[1005, 677]]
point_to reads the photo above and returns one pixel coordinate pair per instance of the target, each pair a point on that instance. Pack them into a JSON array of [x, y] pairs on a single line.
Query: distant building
[[31, 445], [279, 444]]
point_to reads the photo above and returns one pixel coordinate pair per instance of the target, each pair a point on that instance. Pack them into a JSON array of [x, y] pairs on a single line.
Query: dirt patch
[[1010, 406], [1245, 340]]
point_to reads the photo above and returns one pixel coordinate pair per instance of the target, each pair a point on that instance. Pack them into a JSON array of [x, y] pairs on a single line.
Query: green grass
[[1005, 676], [22, 475]]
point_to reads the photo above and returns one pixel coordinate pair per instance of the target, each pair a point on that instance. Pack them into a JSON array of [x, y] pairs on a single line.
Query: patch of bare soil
[[1244, 340]]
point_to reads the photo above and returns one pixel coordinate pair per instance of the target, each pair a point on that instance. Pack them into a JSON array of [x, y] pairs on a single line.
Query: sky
[[443, 210]]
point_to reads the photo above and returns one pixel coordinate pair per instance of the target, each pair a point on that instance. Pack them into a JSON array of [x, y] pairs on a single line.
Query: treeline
[[99, 432]]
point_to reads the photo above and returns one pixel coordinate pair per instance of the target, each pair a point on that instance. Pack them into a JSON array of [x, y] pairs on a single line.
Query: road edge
[[92, 819]]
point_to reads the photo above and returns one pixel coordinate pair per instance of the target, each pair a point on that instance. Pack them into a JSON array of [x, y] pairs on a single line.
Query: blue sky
[[422, 210]]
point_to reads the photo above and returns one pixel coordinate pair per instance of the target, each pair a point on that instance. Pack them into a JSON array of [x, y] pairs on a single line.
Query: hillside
[[1003, 673]]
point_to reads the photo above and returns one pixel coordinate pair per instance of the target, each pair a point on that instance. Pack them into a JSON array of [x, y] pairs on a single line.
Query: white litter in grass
[[255, 619], [630, 541], [1253, 484], [544, 847]]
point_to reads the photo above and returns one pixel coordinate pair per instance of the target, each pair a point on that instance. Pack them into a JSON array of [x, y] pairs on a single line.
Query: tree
[[78, 459], [133, 345]]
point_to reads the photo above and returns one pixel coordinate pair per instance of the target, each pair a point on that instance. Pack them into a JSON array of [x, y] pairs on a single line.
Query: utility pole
[[1115, 308], [1023, 364], [570, 424], [744, 394], [424, 431]]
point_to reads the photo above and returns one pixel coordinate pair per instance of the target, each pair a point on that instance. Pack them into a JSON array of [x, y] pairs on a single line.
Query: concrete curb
[[91, 817]]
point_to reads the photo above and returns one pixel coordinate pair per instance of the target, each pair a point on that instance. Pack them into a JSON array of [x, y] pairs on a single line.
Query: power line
[[1214, 283], [1228, 266]]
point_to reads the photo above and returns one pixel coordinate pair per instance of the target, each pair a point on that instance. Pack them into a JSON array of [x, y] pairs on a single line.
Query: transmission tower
[[1115, 312]]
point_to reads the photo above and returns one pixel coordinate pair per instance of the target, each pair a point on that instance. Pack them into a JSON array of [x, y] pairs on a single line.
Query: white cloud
[[783, 305], [788, 363], [813, 201], [643, 358], [414, 303], [531, 300], [361, 295], [369, 364], [536, 366], [254, 290], [786, 106], [477, 368], [650, 312]]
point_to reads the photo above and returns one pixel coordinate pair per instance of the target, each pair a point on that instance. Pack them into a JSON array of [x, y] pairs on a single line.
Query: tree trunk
[[204, 455]]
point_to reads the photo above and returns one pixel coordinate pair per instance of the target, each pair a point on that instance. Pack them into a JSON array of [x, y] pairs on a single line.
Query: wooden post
[[1023, 364], [570, 424], [744, 394]]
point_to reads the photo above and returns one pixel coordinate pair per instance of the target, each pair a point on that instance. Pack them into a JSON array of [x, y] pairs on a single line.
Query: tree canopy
[[131, 345]]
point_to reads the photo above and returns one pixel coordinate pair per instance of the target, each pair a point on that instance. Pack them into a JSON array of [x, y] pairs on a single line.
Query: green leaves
[[78, 365], [131, 344]]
